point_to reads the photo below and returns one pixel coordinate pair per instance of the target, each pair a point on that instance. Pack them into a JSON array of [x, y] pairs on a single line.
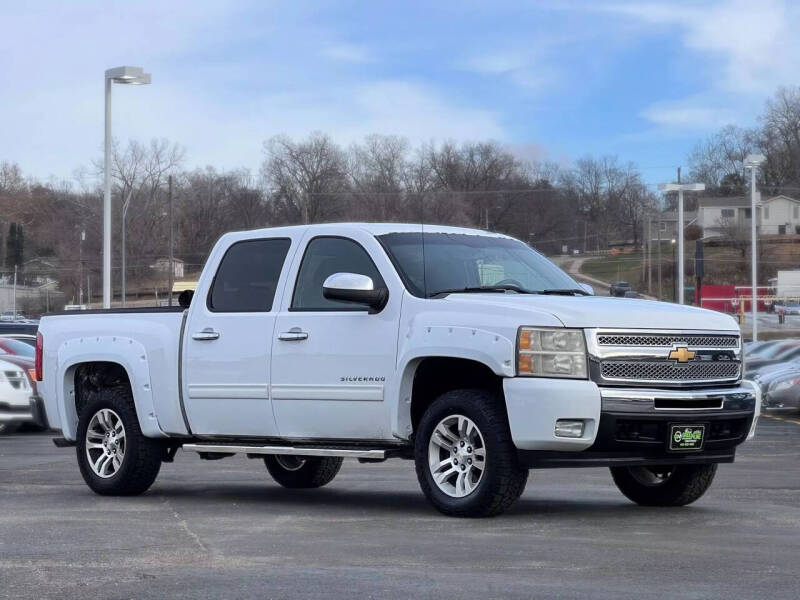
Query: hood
[[604, 311]]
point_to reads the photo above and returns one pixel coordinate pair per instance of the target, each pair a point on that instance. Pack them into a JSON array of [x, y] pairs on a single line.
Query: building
[[162, 266], [778, 215], [664, 225]]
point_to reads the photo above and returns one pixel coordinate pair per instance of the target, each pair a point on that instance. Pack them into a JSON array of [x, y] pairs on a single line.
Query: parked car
[[12, 329], [18, 403], [633, 294], [25, 338], [783, 391], [464, 351], [769, 373], [780, 353], [618, 288], [10, 345], [22, 356], [788, 308]]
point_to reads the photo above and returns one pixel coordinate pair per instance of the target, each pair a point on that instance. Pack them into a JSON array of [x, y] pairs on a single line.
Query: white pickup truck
[[463, 350]]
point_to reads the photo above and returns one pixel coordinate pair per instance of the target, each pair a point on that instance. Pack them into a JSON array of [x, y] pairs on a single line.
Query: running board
[[229, 449]]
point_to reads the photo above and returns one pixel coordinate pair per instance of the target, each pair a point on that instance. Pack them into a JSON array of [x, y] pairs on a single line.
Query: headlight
[[779, 386], [551, 353]]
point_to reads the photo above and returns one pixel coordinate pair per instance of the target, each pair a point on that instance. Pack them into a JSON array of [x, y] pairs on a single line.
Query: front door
[[331, 361], [227, 342]]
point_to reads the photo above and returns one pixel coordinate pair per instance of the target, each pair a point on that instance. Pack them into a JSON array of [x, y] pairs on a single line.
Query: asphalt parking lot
[[224, 530]]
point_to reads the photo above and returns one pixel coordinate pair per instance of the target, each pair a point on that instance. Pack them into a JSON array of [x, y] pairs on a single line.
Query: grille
[[668, 371], [667, 339]]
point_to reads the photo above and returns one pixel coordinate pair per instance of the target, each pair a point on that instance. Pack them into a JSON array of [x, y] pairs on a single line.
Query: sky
[[551, 80]]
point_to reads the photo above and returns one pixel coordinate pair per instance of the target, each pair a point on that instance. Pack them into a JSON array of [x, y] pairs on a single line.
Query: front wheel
[[465, 460], [673, 485], [302, 471], [7, 428]]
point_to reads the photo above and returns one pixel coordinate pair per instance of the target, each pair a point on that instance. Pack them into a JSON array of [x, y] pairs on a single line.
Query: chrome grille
[[642, 357], [668, 339], [668, 370]]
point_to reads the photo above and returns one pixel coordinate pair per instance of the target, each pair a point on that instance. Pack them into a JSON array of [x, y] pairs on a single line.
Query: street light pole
[[680, 188], [129, 76], [171, 252], [752, 162]]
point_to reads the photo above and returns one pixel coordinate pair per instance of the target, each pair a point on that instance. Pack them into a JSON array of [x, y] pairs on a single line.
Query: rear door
[[332, 361], [227, 340]]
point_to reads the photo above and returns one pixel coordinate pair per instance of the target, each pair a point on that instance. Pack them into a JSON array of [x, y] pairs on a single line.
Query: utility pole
[[658, 248], [80, 266], [650, 254], [680, 188], [14, 305], [171, 257]]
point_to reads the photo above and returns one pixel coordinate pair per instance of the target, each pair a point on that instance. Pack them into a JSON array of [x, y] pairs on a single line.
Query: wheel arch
[[105, 360], [425, 378]]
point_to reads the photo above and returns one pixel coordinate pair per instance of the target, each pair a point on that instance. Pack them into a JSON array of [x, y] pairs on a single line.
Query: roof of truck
[[381, 228]]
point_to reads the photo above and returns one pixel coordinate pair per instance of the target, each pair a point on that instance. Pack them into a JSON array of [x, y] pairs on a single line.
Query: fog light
[[569, 429]]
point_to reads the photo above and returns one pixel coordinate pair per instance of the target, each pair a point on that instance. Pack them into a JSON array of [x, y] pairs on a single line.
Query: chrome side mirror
[[353, 287], [587, 288]]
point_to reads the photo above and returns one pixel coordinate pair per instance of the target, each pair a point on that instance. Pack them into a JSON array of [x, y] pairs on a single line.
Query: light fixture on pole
[[128, 76], [753, 162], [680, 188]]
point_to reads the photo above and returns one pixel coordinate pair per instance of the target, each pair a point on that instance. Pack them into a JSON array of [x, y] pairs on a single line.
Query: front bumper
[[32, 413], [625, 426]]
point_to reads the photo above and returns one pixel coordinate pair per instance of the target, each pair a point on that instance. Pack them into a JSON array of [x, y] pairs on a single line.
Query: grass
[[723, 265]]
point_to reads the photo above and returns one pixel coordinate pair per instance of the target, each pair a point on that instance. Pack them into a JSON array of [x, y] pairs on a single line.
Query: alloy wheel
[[457, 456], [105, 443]]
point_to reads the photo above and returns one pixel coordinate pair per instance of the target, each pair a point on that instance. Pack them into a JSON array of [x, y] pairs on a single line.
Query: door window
[[324, 257], [248, 276]]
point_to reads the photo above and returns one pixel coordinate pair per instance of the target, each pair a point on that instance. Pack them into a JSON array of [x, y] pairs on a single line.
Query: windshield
[[456, 261]]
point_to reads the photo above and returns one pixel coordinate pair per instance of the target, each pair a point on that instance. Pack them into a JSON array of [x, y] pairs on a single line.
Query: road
[[224, 530]]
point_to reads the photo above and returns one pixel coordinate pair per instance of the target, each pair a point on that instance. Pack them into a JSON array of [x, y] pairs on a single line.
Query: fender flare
[[469, 343], [123, 351]]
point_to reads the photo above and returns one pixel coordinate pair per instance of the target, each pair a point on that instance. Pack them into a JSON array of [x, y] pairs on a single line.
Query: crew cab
[[462, 350]]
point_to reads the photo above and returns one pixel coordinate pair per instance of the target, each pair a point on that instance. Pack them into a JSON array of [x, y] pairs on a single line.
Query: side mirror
[[185, 298], [589, 289], [352, 287]]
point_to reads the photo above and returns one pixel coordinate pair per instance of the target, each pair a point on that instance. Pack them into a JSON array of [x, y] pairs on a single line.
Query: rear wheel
[[673, 485], [114, 457], [293, 471], [465, 459]]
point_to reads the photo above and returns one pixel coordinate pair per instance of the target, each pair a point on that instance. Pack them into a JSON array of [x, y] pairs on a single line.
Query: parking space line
[[787, 420]]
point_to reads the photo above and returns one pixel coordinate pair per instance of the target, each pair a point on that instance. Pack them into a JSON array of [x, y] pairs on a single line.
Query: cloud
[[687, 114], [350, 53], [753, 46], [525, 68]]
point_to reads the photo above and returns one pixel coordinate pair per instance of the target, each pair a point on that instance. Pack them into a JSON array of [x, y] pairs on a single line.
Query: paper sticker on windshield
[[686, 437]]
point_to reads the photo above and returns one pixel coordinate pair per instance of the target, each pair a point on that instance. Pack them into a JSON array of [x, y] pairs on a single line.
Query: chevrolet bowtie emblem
[[682, 355]]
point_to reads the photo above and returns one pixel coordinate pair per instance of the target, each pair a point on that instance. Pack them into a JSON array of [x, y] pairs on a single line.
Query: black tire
[[503, 479], [676, 486], [299, 472], [142, 456], [8, 428]]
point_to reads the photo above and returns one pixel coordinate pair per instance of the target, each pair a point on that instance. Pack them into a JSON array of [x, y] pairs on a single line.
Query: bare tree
[[308, 176]]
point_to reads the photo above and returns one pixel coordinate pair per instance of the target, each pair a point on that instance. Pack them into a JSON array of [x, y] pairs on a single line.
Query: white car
[[464, 351], [17, 403]]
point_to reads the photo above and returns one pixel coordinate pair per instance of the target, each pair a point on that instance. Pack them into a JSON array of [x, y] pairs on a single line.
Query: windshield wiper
[[562, 292], [496, 289]]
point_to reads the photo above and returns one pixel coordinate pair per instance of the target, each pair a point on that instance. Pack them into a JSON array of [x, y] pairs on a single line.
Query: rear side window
[[325, 256], [248, 276]]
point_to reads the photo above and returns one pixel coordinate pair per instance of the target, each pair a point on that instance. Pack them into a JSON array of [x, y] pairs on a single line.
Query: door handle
[[295, 334], [206, 335]]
